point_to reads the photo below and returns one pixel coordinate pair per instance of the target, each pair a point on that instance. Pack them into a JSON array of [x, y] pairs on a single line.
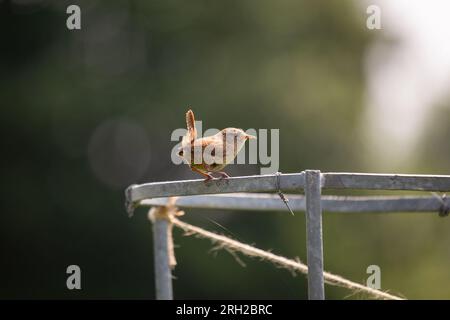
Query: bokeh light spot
[[119, 152]]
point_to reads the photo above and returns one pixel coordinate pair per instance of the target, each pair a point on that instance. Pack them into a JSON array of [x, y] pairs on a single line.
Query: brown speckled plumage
[[222, 147]]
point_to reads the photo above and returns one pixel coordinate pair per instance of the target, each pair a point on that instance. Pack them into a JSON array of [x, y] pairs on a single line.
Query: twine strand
[[223, 242]]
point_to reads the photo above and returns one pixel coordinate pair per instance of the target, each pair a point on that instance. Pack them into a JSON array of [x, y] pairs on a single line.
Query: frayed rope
[[235, 246]]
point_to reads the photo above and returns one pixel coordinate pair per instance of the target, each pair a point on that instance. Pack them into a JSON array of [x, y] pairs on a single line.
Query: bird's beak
[[250, 137]]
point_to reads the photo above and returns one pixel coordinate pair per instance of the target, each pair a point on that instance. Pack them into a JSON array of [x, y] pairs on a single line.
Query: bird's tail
[[190, 123]]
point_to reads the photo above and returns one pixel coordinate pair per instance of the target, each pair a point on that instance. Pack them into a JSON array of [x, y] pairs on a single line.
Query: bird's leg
[[207, 175], [223, 175]]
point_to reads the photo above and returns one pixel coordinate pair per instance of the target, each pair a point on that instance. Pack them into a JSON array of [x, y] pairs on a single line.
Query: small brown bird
[[211, 154]]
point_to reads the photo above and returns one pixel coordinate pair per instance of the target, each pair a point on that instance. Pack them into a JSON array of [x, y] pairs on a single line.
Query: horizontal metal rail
[[260, 183], [285, 182], [271, 202], [416, 182]]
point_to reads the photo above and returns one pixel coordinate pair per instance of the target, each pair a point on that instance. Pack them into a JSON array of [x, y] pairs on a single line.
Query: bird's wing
[[210, 147], [190, 124]]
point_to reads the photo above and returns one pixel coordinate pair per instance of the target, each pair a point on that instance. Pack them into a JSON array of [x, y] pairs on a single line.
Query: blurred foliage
[[85, 113]]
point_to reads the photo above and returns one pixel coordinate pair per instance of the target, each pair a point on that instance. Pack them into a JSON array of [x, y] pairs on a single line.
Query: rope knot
[[168, 213]]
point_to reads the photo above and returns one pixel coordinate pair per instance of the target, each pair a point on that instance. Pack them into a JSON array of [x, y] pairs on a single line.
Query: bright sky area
[[407, 74]]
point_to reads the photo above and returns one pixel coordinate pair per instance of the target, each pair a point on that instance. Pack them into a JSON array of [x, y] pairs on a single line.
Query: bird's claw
[[208, 178], [223, 175]]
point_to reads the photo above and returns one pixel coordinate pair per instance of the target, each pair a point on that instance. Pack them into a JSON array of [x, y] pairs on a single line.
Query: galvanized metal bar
[[268, 183], [314, 244], [260, 183], [342, 180], [163, 274], [270, 202]]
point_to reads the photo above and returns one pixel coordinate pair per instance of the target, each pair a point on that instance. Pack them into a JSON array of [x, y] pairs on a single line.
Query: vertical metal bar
[[163, 274], [314, 235]]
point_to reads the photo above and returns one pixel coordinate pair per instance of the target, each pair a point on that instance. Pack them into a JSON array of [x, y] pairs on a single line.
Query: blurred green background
[[85, 113]]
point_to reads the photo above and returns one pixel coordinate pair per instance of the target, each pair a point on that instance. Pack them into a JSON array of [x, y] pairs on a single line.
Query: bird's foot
[[208, 177], [223, 175]]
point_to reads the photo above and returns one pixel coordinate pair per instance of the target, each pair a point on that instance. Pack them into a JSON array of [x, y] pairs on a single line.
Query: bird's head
[[234, 134]]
